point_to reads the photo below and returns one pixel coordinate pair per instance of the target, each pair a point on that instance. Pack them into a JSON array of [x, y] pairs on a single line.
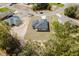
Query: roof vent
[[43, 17]]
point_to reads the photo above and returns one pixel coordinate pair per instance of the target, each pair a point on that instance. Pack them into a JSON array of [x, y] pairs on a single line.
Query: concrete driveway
[[20, 31]]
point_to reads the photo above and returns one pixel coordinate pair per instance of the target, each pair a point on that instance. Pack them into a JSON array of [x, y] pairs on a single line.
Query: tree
[[7, 41], [41, 6], [32, 48], [77, 13], [64, 40], [70, 11]]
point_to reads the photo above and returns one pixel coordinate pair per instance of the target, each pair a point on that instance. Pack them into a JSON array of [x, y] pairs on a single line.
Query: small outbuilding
[[41, 25], [14, 21]]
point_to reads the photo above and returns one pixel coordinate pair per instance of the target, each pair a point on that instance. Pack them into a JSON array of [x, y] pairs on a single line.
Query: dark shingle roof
[[14, 20], [40, 24], [34, 23]]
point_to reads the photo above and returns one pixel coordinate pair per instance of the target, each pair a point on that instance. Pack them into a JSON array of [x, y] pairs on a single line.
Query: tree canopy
[[7, 41], [70, 11], [41, 6], [64, 40], [32, 48]]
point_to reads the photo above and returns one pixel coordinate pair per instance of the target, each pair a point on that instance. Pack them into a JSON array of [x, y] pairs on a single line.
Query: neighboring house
[[14, 21], [41, 25], [62, 19], [5, 15], [12, 4]]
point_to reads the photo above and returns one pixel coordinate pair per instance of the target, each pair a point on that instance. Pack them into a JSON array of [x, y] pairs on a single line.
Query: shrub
[[41, 6], [32, 48], [7, 41], [62, 42], [70, 11]]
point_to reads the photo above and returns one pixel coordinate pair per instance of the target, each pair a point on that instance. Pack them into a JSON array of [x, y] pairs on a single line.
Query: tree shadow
[[13, 46]]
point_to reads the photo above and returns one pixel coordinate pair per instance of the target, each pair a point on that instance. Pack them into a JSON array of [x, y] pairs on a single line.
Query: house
[[14, 21], [5, 15], [40, 25], [12, 4]]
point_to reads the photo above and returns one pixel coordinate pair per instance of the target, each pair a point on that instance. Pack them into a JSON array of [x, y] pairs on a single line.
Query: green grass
[[57, 4], [4, 9]]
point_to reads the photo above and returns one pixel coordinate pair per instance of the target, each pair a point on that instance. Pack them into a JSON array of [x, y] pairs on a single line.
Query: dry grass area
[[2, 52], [32, 34]]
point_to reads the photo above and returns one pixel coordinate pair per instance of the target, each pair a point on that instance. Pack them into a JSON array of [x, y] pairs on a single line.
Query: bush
[[77, 13], [70, 11], [32, 48], [62, 42], [7, 41], [41, 6]]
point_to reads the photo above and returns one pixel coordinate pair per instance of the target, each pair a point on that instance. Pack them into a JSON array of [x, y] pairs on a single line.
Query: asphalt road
[[28, 11]]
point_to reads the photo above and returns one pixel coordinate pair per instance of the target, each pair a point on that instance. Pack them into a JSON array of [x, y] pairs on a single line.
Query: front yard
[[32, 34], [4, 9], [57, 4]]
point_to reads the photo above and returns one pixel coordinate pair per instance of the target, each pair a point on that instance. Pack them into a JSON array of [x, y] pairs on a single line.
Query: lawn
[[4, 9], [32, 34], [57, 4]]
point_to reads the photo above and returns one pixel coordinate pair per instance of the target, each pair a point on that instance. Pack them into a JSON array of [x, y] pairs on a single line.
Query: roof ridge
[[40, 23]]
